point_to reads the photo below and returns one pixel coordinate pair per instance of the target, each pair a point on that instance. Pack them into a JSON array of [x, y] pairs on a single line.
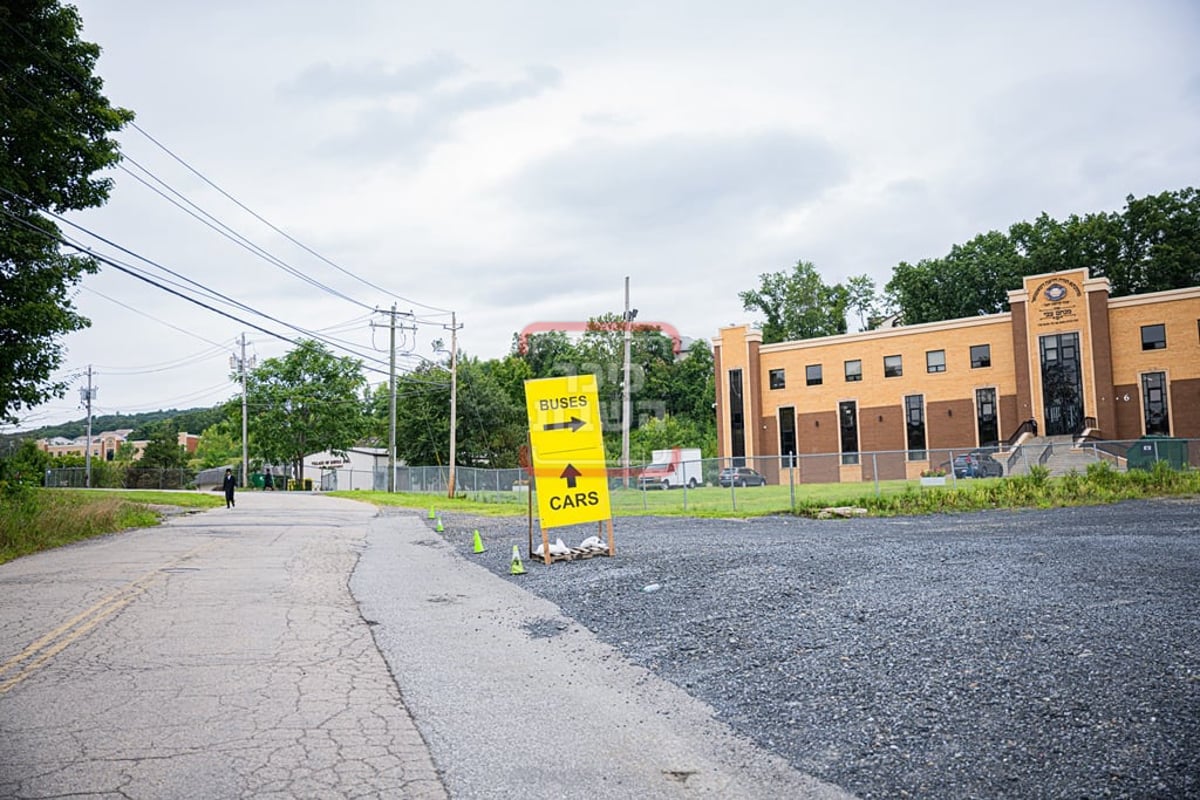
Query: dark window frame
[[809, 380], [781, 374], [854, 377], [1156, 417], [983, 359], [935, 367], [787, 436], [896, 371], [914, 427], [1158, 343], [847, 430]]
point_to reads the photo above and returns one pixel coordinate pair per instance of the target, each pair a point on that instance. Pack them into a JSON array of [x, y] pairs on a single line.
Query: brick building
[[106, 443], [1066, 359]]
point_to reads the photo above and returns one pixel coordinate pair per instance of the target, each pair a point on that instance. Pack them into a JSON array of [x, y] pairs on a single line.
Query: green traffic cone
[[517, 567], [439, 527], [478, 546], [431, 514]]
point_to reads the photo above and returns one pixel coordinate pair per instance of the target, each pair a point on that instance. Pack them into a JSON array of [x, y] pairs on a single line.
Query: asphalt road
[[303, 646], [223, 655], [1019, 654], [218, 656]]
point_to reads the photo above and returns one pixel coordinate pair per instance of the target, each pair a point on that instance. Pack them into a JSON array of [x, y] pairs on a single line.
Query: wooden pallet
[[574, 554]]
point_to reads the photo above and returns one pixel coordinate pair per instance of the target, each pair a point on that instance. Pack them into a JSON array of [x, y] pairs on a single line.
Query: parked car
[[741, 476], [977, 464]]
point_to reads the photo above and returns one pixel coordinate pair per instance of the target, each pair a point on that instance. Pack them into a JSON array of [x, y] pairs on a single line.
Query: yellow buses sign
[[567, 448]]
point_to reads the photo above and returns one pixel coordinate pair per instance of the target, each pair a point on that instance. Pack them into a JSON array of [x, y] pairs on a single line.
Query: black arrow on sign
[[575, 424], [570, 473]]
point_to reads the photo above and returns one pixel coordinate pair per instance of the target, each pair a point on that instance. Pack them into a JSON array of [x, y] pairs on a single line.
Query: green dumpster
[[256, 480], [1150, 449]]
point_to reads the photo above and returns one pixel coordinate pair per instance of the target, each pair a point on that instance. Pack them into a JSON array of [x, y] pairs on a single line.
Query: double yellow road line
[[33, 657]]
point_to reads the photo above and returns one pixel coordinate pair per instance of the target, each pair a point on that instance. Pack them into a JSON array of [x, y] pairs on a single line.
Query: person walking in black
[[229, 484], [269, 480]]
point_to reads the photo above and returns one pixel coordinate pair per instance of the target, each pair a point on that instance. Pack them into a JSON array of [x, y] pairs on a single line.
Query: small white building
[[363, 468]]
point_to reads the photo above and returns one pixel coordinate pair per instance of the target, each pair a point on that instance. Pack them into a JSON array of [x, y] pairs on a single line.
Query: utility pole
[[87, 395], [627, 318], [241, 365], [454, 326], [391, 480]]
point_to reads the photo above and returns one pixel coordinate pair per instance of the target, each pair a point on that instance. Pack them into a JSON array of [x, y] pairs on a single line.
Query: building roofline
[[888, 333], [1186, 293]]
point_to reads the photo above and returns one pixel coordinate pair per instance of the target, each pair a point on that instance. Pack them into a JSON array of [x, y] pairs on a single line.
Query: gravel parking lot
[[999, 654]]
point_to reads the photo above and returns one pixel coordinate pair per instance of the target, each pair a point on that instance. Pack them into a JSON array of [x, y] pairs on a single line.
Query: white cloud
[[515, 161]]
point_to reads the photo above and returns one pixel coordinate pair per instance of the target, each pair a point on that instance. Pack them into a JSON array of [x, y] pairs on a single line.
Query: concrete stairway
[[1061, 456]]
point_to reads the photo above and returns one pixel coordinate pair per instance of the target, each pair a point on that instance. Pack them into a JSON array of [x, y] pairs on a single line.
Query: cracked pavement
[[302, 646], [225, 658]]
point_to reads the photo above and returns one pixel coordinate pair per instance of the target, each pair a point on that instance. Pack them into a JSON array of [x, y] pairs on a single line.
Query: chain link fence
[[107, 476], [775, 482]]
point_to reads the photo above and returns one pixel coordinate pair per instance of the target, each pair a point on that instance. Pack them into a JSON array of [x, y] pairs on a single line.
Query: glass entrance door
[[1062, 385]]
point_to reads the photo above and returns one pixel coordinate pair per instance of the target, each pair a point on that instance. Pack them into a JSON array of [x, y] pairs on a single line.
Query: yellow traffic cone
[[439, 527], [431, 514], [517, 567], [478, 547]]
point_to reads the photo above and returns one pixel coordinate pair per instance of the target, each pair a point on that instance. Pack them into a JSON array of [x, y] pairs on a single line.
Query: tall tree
[[54, 137], [797, 304], [1152, 246], [1161, 241], [863, 299], [163, 450], [549, 354], [305, 402]]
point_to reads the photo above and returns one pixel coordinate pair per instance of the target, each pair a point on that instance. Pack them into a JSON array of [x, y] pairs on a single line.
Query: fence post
[[953, 474], [792, 479]]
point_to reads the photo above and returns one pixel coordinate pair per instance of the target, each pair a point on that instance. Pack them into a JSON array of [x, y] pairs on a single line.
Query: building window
[[893, 366], [935, 361], [914, 418], [853, 371], [985, 416], [787, 437], [812, 374], [778, 379], [1154, 337], [737, 419], [848, 422], [981, 356], [1154, 402]]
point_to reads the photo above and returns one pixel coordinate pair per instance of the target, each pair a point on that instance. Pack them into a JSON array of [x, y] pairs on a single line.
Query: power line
[[140, 275], [151, 317], [275, 228], [55, 61]]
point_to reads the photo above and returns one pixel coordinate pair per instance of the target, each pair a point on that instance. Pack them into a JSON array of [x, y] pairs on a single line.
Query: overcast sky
[[514, 161]]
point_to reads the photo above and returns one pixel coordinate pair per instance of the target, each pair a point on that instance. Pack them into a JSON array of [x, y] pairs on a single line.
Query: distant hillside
[[192, 420]]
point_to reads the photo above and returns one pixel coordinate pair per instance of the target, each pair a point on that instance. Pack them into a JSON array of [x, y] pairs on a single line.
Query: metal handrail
[[1028, 426]]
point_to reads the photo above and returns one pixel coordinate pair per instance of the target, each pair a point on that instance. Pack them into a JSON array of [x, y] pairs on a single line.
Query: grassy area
[[482, 504], [700, 502], [1099, 485], [40, 519]]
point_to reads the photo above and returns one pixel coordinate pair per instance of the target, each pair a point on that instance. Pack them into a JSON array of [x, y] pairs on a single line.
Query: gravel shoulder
[[997, 654]]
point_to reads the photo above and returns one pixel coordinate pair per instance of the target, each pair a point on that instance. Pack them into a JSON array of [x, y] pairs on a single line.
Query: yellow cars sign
[[567, 449]]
